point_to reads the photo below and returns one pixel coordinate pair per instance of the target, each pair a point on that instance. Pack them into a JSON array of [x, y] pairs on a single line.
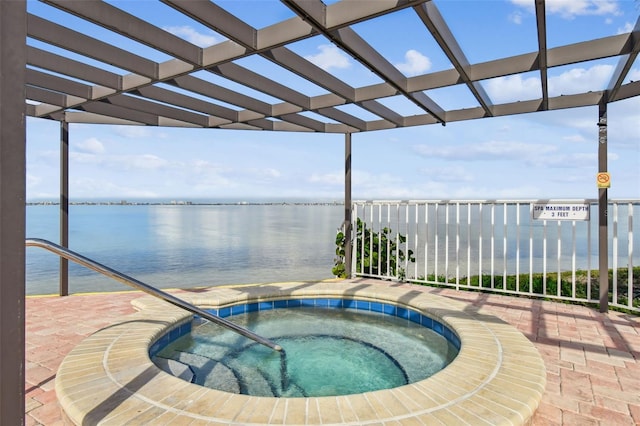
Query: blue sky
[[543, 155]]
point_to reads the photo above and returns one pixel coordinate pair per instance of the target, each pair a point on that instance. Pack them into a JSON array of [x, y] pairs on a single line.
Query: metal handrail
[[132, 282]]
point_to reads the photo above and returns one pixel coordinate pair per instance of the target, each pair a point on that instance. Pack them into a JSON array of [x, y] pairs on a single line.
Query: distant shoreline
[[189, 203]]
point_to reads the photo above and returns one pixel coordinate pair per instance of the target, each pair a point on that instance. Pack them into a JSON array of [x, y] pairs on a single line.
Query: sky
[[544, 155]]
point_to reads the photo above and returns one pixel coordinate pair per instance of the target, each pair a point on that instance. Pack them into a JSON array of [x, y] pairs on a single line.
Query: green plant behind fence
[[377, 253], [539, 284]]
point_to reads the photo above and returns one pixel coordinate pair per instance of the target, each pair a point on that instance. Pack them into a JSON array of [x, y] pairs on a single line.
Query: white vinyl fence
[[524, 247]]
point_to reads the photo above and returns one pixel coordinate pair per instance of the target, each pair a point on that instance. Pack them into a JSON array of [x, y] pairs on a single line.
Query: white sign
[[559, 211]]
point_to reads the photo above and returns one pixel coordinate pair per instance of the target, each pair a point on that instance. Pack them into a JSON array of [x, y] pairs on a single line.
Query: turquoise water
[[186, 246], [328, 352]]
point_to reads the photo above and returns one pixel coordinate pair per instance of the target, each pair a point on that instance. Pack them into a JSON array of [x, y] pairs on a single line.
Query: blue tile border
[[168, 337], [328, 303]]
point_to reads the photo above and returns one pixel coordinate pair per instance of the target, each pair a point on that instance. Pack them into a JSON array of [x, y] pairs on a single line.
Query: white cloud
[[576, 80], [527, 4], [265, 173], [121, 162], [44, 157], [85, 158], [90, 188], [32, 181], [579, 80], [329, 57], [133, 132], [209, 184], [90, 146], [327, 178], [513, 88], [587, 158], [414, 63], [204, 166], [578, 160], [203, 177], [569, 9], [448, 174], [192, 36], [634, 74], [144, 161], [585, 125], [491, 192], [487, 151], [377, 185], [515, 17], [627, 28], [575, 138]]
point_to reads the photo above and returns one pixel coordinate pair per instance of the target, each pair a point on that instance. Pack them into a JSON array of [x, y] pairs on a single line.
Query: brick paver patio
[[592, 359]]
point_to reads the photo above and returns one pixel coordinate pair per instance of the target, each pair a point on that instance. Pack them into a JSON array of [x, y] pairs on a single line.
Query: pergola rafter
[[625, 63], [435, 23], [541, 21]]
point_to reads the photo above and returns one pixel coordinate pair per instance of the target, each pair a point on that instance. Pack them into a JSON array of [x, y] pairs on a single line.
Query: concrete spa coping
[[498, 377]]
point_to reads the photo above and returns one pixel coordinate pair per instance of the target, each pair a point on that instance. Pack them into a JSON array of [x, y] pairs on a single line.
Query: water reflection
[[187, 246]]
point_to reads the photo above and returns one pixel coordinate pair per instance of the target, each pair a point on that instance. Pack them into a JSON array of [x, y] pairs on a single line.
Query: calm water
[[171, 246]]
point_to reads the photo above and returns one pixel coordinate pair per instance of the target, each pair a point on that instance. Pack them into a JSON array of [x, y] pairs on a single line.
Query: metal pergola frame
[[56, 87], [72, 91]]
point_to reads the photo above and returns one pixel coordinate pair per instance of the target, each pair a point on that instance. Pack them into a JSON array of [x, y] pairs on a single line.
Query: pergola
[[74, 76]]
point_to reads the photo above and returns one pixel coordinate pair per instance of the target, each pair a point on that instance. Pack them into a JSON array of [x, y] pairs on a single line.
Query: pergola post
[[603, 232], [64, 206], [347, 204], [13, 57]]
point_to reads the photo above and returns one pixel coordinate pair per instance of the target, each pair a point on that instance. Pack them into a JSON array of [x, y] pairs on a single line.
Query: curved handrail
[[132, 282]]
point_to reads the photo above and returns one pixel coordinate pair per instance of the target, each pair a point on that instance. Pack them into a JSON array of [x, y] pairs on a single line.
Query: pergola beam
[[65, 38], [625, 63], [305, 69], [156, 109], [171, 97], [76, 69], [358, 48], [433, 20], [239, 74], [541, 20], [217, 92], [218, 19], [103, 14]]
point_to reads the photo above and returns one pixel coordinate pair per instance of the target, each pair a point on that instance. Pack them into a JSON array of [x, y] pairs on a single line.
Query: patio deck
[[592, 359]]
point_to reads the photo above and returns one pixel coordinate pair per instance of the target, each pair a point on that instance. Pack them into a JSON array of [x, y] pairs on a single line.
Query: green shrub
[[377, 252]]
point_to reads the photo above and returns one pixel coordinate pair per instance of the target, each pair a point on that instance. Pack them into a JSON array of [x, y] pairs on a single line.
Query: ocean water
[[186, 246]]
